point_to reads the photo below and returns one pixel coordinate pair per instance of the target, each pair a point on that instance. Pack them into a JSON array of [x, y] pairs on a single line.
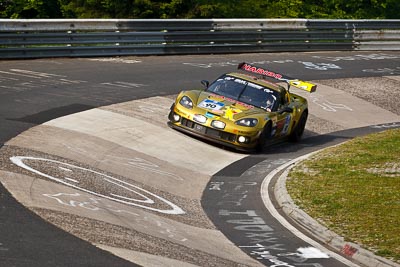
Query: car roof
[[258, 80]]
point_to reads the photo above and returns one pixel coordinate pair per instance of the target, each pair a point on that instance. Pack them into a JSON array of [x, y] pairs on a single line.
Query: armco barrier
[[39, 38]]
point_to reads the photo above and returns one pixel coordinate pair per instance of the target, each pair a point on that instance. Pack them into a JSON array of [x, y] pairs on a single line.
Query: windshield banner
[[280, 77]]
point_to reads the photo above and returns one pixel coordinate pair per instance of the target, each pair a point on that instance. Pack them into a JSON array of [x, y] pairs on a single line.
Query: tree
[[227, 9], [328, 9], [30, 9]]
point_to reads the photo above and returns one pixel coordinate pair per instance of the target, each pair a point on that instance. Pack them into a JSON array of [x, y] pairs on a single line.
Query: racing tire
[[171, 112], [264, 137], [297, 133]]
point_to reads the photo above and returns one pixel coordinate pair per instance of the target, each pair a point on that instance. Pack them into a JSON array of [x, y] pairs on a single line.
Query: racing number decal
[[282, 125], [211, 104], [287, 123]]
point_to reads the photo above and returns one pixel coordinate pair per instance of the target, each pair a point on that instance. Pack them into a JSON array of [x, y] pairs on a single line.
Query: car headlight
[[199, 118], [247, 122], [186, 102], [218, 124]]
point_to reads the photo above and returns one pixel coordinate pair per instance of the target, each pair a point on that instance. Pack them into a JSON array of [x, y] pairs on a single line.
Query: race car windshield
[[246, 92]]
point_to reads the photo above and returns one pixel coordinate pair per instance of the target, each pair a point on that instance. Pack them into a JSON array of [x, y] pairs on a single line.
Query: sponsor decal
[[230, 112], [209, 115], [211, 104], [260, 71], [294, 82]]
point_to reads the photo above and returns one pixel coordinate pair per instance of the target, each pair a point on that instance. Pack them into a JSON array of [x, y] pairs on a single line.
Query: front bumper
[[226, 138]]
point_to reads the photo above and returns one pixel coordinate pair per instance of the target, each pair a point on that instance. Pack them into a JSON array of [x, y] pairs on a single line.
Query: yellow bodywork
[[213, 107]]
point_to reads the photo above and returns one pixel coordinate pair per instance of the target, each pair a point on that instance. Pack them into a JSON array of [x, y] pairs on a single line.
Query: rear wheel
[[297, 133], [264, 137]]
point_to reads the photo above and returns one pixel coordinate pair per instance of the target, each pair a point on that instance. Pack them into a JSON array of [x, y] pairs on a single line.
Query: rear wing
[[280, 77]]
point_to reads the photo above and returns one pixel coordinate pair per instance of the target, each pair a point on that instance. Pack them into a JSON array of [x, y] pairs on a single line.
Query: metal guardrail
[[119, 37]]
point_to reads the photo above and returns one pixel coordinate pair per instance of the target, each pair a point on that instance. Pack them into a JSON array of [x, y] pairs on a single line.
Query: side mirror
[[205, 83], [286, 109]]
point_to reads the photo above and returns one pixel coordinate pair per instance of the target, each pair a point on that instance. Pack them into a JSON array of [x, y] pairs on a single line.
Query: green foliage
[[284, 9], [29, 9], [328, 9], [227, 9]]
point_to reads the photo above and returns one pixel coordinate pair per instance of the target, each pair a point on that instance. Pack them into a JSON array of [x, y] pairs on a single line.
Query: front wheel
[[297, 133], [171, 112], [264, 137]]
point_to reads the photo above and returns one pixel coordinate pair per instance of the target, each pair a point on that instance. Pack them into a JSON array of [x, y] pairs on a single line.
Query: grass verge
[[354, 190]]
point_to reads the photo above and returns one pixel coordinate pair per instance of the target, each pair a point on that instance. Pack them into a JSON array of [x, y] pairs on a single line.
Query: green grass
[[354, 190]]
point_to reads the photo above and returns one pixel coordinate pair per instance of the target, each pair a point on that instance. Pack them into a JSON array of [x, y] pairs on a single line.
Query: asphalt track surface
[[34, 92]]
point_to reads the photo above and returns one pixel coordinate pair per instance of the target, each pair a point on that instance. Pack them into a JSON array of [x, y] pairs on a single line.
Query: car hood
[[217, 105]]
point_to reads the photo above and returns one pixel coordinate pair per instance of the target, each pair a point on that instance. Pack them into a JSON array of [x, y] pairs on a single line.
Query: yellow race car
[[243, 111]]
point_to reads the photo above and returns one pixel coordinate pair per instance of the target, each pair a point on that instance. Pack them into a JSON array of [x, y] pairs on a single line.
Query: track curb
[[311, 226]]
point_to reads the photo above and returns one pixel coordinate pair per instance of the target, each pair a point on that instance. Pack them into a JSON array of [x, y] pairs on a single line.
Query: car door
[[284, 116]]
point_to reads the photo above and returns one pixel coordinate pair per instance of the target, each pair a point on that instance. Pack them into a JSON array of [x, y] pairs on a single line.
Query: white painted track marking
[[19, 161], [270, 207]]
